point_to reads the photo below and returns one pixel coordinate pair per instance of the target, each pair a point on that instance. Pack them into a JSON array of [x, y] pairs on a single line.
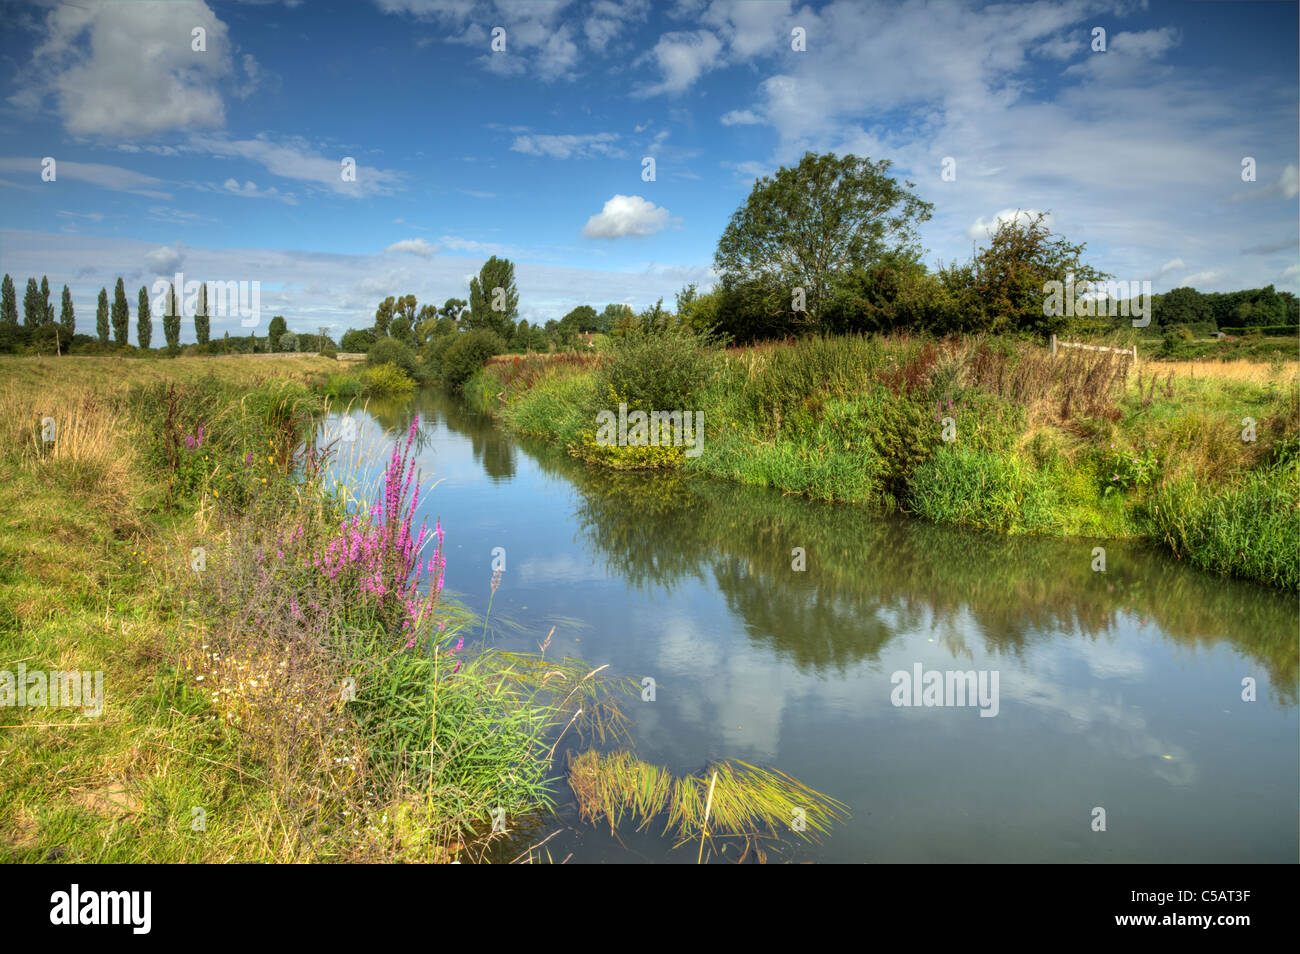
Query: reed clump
[[746, 800]]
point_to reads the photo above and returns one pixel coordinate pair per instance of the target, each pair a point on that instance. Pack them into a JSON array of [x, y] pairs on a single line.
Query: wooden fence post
[[1053, 345]]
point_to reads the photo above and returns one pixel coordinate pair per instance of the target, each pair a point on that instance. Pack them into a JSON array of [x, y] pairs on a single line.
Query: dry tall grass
[[1248, 372]]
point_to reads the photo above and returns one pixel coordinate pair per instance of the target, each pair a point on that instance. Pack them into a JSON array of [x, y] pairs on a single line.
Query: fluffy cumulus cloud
[[741, 117], [166, 260], [627, 215], [127, 69], [415, 246], [682, 58], [546, 39]]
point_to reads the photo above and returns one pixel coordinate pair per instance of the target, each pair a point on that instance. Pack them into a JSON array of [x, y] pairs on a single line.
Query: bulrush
[[375, 551]]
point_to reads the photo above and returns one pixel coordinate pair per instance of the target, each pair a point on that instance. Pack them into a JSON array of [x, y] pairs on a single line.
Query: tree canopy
[[803, 226]]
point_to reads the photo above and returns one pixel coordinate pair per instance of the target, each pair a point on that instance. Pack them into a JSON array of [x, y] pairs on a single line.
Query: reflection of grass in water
[[746, 799], [925, 575]]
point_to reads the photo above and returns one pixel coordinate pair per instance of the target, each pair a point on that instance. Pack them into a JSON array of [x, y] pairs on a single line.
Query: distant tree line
[[39, 333]]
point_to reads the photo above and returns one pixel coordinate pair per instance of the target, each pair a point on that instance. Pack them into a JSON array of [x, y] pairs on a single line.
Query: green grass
[[1250, 529]]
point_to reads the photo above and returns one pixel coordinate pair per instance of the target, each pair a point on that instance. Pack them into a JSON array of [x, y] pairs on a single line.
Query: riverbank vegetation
[[856, 374], [1078, 444], [284, 678]]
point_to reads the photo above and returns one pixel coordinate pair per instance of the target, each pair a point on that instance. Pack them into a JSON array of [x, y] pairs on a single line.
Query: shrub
[[386, 380], [288, 342], [392, 351], [657, 372], [466, 355], [434, 352], [357, 341]]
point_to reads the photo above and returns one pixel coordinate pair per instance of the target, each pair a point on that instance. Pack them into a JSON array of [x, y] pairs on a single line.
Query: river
[[1119, 690]]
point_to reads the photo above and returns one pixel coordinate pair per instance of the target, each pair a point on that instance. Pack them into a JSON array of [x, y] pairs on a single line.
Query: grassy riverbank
[[283, 679], [264, 700], [1080, 445]]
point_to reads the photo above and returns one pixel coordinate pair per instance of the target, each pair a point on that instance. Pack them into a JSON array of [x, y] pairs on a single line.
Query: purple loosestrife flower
[[375, 554]]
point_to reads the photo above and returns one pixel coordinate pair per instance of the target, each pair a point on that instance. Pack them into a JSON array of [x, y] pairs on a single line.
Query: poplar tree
[[101, 317], [121, 314], [144, 320], [172, 321], [8, 302], [33, 313], [47, 308], [202, 324], [68, 317]]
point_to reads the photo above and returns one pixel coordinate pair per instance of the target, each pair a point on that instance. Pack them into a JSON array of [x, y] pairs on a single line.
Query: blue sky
[[225, 163]]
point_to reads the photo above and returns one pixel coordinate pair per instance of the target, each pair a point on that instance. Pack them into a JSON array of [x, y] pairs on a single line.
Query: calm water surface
[[1120, 690]]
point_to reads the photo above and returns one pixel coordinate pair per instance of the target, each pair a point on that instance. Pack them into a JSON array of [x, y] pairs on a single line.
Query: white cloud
[[626, 215], [983, 228], [607, 20], [740, 117], [108, 177], [682, 58], [162, 213], [88, 216], [1289, 182], [167, 259], [472, 245], [415, 246], [250, 190], [1174, 264], [296, 159], [1149, 43], [127, 69], [585, 146], [750, 29]]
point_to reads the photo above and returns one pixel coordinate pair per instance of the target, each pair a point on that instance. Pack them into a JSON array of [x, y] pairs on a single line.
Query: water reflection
[[1131, 675]]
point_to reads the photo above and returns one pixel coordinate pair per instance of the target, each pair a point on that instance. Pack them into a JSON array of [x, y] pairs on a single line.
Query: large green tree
[[143, 320], [121, 314], [581, 319], [803, 226], [494, 297], [67, 317], [8, 302], [172, 321], [101, 316], [1182, 306], [275, 331]]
